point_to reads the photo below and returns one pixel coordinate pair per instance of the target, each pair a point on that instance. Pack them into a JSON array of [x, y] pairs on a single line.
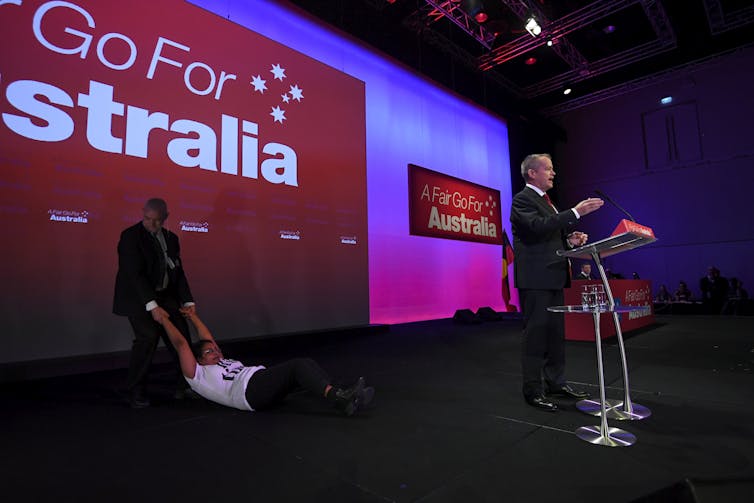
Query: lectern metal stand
[[626, 410], [602, 434]]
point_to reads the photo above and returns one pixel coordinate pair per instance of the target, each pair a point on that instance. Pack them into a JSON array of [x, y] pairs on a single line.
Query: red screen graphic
[[258, 150]]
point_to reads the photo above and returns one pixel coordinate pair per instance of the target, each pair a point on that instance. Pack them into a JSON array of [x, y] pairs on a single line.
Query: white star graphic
[[259, 84], [278, 115], [286, 98], [278, 72], [296, 92]]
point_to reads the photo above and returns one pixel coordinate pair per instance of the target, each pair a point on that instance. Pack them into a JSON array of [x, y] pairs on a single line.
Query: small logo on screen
[[68, 216], [348, 240], [295, 235], [194, 226]]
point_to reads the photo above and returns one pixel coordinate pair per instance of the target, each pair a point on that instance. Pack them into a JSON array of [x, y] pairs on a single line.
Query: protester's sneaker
[[349, 400]]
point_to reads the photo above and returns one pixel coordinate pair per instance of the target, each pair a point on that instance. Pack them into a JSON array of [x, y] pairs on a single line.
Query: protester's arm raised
[[181, 345]]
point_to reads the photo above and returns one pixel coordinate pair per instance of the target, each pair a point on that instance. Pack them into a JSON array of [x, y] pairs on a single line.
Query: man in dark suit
[[539, 231], [149, 286], [585, 272]]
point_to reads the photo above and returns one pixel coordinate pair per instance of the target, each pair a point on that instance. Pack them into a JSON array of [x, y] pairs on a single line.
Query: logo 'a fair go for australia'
[[458, 223], [43, 115]]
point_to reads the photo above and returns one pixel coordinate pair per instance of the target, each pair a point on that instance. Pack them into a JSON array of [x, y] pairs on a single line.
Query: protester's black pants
[[268, 386]]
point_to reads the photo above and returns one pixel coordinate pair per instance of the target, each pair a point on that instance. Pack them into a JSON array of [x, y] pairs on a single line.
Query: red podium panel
[[626, 292]]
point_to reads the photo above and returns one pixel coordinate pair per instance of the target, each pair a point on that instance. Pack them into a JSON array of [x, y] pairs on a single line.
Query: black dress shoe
[[568, 391], [186, 394], [541, 402], [138, 401]]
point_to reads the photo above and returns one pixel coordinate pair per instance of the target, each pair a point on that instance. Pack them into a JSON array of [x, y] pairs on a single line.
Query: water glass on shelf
[[600, 297], [593, 296], [587, 300]]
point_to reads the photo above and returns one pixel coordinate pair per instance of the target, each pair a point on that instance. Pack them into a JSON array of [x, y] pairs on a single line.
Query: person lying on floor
[[231, 383]]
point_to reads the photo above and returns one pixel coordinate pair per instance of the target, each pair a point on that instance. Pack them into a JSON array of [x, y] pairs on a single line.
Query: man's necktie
[[547, 199], [165, 261]]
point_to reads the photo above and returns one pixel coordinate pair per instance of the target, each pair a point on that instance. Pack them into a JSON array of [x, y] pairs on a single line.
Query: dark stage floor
[[449, 425]]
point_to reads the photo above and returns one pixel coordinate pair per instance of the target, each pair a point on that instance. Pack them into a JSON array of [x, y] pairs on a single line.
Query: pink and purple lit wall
[[408, 120]]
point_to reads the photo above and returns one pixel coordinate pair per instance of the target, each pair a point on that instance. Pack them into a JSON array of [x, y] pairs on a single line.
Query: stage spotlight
[[567, 90], [550, 42], [532, 26], [475, 9], [666, 100]]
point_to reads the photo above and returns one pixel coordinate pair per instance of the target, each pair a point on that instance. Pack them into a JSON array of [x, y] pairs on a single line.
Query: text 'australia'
[[461, 223]]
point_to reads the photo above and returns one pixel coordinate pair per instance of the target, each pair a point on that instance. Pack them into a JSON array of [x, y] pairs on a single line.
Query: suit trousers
[[147, 333], [543, 344]]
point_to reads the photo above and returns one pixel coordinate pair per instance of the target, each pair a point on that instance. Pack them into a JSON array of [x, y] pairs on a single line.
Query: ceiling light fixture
[[475, 9], [532, 26], [567, 90]]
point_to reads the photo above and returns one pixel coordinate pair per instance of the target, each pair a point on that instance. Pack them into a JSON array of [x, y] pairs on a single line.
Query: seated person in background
[[635, 275], [230, 382], [683, 294], [737, 298], [585, 272], [663, 295], [714, 290]]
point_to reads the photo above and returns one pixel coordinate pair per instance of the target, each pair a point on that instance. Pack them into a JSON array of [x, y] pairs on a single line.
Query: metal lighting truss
[[635, 84], [556, 31], [435, 10], [416, 23], [720, 21]]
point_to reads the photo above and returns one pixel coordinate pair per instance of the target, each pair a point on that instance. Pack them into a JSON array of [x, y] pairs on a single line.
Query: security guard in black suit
[[150, 284]]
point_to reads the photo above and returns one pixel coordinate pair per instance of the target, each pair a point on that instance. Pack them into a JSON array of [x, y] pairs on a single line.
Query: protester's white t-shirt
[[224, 383]]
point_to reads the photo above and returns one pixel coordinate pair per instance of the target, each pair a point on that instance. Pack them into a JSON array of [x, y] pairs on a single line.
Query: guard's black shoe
[[567, 391], [186, 394], [541, 402], [138, 400]]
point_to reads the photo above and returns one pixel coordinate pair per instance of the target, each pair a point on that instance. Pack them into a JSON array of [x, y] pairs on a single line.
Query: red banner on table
[[444, 206], [626, 292]]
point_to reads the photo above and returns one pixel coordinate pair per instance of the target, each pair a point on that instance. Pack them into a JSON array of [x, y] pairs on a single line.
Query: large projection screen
[[271, 136], [258, 149]]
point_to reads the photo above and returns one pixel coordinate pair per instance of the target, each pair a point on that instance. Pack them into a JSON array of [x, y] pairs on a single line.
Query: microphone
[[609, 200]]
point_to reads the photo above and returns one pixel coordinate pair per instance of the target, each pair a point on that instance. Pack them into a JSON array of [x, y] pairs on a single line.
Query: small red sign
[[629, 226], [447, 207]]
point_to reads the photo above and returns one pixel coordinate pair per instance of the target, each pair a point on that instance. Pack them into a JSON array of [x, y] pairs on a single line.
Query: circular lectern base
[[615, 436], [614, 410]]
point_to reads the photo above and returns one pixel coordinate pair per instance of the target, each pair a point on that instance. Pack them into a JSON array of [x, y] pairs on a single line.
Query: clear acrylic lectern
[[628, 235]]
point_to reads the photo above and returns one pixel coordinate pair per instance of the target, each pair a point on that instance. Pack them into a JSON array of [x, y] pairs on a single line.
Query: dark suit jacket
[[538, 233], [139, 271]]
